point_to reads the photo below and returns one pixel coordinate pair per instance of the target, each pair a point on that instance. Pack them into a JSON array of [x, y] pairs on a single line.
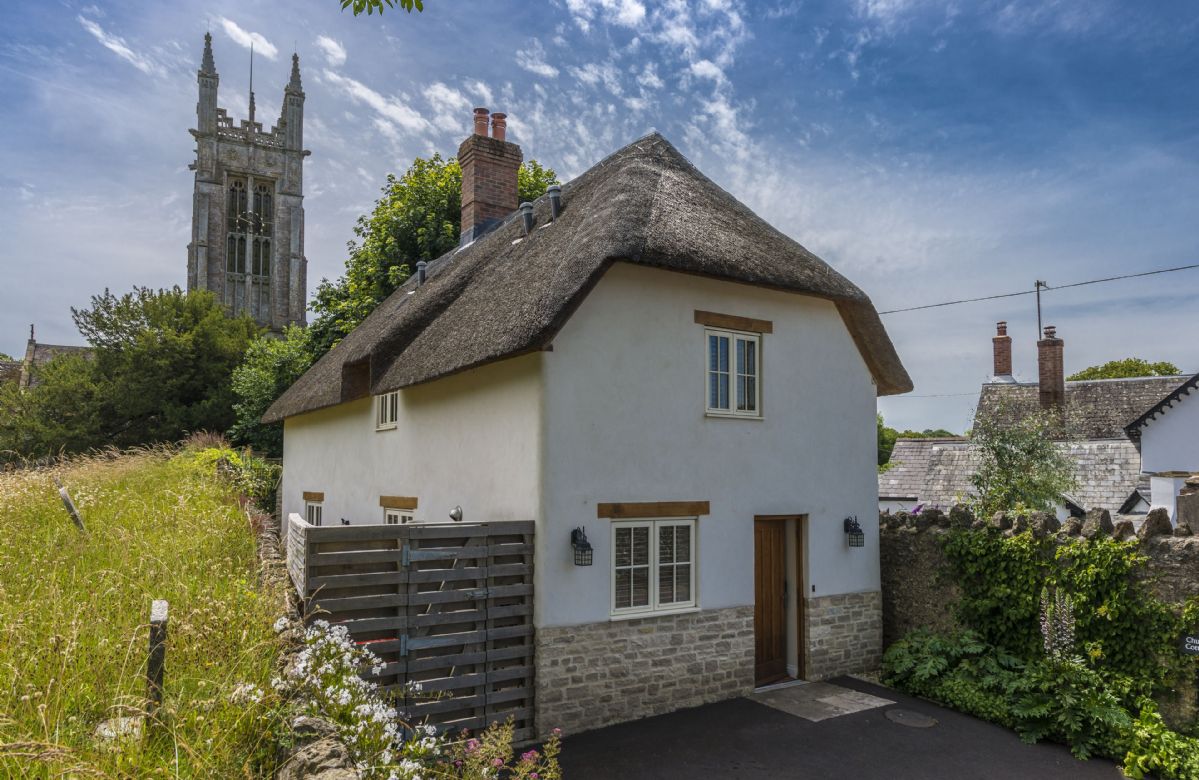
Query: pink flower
[[557, 732], [497, 762], [472, 745], [530, 756], [534, 776]]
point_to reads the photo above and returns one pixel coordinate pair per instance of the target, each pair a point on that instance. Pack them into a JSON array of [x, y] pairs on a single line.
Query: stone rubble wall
[[918, 591], [844, 634], [598, 674]]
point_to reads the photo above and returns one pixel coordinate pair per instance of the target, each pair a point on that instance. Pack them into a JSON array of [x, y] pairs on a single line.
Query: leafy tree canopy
[[371, 6], [270, 366], [417, 217], [1020, 466], [160, 369], [1126, 369], [5, 358]]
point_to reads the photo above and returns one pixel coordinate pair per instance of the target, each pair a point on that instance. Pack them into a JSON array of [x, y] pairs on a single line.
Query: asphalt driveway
[[742, 738]]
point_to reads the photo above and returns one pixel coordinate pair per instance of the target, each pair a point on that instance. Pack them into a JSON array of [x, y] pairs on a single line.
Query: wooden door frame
[[801, 570]]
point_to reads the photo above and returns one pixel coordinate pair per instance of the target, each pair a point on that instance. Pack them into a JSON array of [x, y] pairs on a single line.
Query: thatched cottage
[[639, 358]]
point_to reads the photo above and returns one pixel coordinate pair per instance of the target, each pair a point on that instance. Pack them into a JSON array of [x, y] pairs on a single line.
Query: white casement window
[[387, 411], [734, 373], [397, 516], [653, 566], [312, 512]]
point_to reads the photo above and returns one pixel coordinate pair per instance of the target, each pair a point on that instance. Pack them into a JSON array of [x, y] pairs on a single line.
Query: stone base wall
[[603, 673], [843, 634]]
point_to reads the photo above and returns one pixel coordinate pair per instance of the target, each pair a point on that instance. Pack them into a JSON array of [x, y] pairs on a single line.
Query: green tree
[[887, 437], [60, 413], [5, 358], [1126, 369], [270, 366], [371, 6], [418, 217], [1020, 465]]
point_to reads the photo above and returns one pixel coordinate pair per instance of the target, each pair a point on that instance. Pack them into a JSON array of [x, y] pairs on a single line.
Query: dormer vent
[[555, 195], [526, 216]]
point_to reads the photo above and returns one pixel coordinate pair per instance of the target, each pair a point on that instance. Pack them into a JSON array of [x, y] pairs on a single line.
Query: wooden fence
[[449, 607]]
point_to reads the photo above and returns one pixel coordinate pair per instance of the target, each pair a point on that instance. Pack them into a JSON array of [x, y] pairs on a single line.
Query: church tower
[[247, 243]]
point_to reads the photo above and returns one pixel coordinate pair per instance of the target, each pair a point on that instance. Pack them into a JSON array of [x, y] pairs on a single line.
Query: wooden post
[[158, 654], [69, 504]]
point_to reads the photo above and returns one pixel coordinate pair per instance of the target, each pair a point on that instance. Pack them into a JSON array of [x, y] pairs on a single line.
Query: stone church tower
[[247, 242]]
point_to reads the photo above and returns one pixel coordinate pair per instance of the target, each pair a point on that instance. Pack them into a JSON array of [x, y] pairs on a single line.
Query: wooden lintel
[[619, 510], [733, 322], [312, 496], [397, 502], [780, 517]]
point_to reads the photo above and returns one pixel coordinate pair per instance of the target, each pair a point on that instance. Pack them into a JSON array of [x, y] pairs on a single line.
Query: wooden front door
[[770, 606]]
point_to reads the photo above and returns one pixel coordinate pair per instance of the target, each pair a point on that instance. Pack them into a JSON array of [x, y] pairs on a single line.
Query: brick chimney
[[1001, 347], [1050, 372], [489, 169]]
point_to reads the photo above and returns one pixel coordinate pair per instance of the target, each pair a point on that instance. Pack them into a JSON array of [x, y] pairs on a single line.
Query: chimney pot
[[499, 126], [481, 122], [420, 272], [554, 192], [1001, 348]]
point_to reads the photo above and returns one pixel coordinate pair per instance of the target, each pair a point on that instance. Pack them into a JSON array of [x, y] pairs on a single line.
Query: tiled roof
[[1096, 409], [938, 471], [44, 353], [10, 371]]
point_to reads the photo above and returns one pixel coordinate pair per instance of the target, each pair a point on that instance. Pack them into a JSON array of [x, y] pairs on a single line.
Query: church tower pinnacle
[[247, 242]]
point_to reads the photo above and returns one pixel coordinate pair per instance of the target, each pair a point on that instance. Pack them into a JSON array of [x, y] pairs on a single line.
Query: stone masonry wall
[[917, 593], [844, 634], [603, 673]]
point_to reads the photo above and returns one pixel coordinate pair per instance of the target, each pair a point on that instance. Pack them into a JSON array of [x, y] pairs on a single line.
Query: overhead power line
[[1043, 287]]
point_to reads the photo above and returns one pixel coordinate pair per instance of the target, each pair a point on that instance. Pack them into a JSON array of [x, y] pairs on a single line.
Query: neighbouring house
[[1168, 433], [24, 372], [639, 357], [1103, 422]]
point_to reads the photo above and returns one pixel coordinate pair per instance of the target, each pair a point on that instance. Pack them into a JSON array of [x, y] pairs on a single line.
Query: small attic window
[[387, 411]]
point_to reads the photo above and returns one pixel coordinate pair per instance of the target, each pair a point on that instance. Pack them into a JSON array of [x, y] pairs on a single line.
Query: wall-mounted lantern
[[582, 547], [456, 514], [854, 535]]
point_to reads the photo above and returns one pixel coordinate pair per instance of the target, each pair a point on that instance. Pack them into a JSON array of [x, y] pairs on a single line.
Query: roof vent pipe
[[555, 195], [420, 272], [526, 216]]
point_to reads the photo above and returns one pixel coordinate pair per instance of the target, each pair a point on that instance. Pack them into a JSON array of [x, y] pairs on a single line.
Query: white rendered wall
[[624, 421], [471, 439], [1171, 441], [1164, 491]]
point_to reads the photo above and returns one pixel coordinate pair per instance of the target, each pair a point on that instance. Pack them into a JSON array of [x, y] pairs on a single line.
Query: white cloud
[[649, 77], [481, 91], [626, 13], [393, 114], [335, 53], [245, 38], [532, 59], [117, 46], [594, 73], [706, 69], [451, 109]]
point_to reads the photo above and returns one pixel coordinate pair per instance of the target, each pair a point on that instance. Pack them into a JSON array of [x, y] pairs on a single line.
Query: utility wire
[[1043, 287]]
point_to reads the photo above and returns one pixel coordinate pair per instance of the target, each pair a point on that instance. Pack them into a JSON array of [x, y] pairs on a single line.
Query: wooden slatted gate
[[447, 606]]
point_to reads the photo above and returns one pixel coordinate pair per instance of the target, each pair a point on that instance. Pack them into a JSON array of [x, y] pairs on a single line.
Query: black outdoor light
[[854, 534], [582, 547]]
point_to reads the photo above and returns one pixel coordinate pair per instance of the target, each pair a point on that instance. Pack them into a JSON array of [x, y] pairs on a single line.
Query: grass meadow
[[74, 613]]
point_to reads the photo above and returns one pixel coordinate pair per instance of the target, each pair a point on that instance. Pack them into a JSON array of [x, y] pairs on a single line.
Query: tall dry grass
[[74, 610]]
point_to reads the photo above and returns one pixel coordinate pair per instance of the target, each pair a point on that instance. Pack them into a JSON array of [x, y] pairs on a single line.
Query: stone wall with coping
[[843, 634], [598, 674]]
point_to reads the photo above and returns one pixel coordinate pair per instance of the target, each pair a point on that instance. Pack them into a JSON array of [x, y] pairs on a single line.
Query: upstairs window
[[387, 411], [734, 373]]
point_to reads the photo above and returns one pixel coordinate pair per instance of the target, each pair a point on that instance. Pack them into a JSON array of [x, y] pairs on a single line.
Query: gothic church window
[[250, 225]]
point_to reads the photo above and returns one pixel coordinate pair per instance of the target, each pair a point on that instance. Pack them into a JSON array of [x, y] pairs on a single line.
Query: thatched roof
[[1095, 409], [499, 297]]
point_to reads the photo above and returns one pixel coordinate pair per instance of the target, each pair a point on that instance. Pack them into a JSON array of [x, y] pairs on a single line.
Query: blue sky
[[929, 150]]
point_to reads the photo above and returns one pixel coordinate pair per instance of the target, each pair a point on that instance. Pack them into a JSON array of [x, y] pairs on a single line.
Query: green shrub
[[1068, 702], [1155, 749]]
